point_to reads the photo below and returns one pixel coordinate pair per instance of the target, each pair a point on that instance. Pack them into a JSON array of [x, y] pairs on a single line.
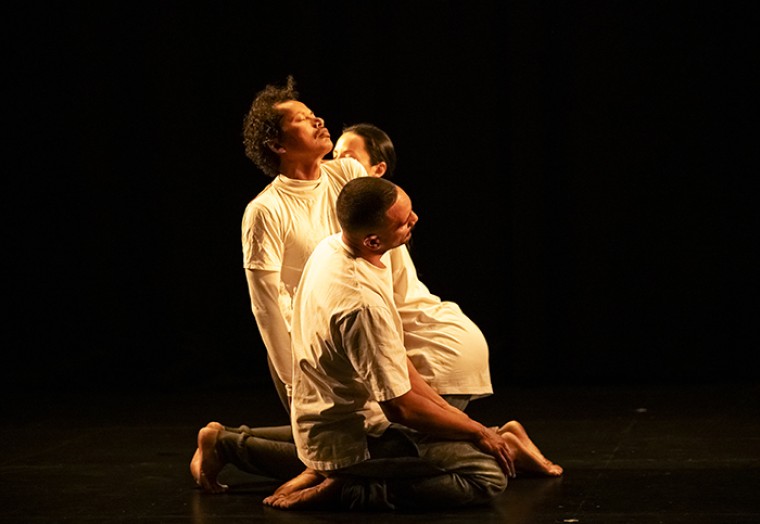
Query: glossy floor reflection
[[678, 454]]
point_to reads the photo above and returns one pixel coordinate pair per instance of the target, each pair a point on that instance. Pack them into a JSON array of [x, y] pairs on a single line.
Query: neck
[[298, 170]]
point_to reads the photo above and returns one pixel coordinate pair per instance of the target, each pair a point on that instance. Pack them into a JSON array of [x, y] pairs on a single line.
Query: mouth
[[323, 133]]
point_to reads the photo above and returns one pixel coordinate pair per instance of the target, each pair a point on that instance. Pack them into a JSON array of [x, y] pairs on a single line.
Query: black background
[[582, 172]]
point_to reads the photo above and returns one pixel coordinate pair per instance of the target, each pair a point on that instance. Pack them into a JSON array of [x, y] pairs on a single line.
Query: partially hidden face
[[351, 145]]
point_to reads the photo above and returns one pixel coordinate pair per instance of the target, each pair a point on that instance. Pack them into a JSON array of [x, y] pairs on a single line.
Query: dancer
[[284, 222]]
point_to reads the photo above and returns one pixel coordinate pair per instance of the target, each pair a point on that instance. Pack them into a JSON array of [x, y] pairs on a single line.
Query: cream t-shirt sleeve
[[376, 351], [261, 239]]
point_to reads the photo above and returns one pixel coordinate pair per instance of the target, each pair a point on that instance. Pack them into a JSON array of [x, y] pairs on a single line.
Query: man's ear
[[275, 146], [380, 169], [372, 242]]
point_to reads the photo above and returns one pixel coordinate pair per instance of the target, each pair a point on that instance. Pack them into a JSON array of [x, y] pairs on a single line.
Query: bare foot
[[321, 496], [195, 462], [518, 430], [529, 460], [305, 479], [205, 464], [532, 460]]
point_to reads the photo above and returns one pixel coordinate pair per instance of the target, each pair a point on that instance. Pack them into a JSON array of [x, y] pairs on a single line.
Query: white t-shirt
[[446, 347], [288, 218], [348, 354], [280, 228]]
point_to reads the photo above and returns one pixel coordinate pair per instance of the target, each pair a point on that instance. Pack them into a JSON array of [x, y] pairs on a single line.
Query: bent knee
[[489, 481], [494, 481]]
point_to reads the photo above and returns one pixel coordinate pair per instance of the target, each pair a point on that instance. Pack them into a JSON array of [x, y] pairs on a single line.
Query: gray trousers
[[407, 470]]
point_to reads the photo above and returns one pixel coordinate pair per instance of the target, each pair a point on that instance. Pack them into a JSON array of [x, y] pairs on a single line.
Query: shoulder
[[259, 206], [270, 198], [343, 169], [329, 246], [264, 209]]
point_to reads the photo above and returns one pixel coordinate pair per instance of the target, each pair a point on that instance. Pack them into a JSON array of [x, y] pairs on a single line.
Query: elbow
[[396, 411]]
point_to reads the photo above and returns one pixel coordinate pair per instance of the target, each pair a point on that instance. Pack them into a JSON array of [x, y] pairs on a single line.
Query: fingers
[[511, 471], [507, 464], [507, 459], [512, 466], [504, 455]]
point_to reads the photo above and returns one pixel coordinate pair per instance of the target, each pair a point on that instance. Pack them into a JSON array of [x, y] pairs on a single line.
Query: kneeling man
[[371, 432]]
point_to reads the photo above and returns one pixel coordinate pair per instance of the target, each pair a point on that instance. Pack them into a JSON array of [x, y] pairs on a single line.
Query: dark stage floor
[[672, 454]]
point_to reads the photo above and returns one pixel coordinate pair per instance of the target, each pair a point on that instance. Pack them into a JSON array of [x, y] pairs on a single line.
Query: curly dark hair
[[262, 124]]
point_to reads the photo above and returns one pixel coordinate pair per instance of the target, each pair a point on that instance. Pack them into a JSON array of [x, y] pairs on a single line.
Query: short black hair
[[363, 203]]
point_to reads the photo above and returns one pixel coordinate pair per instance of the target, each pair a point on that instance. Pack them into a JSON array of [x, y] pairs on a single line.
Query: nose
[[319, 122]]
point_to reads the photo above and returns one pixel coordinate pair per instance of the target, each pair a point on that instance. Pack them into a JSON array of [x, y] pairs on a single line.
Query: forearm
[[423, 409], [263, 288], [424, 389], [418, 411]]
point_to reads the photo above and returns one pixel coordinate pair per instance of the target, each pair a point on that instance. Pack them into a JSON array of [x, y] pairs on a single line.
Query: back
[[347, 350]]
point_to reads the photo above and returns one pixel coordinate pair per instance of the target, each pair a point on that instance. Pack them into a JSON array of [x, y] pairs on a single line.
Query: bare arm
[[424, 389], [424, 410]]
